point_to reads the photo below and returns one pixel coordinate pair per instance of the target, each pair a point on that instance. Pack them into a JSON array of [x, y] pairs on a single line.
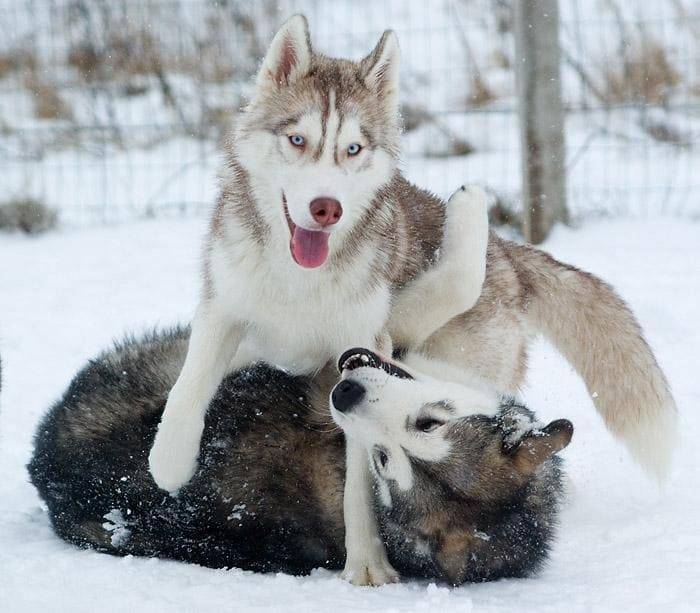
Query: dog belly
[[301, 341], [303, 347], [256, 348]]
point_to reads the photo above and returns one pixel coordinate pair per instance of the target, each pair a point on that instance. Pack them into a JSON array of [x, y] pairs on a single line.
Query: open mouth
[[359, 357], [309, 248]]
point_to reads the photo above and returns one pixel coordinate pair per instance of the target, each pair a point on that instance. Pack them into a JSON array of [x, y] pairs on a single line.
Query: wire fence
[[112, 110]]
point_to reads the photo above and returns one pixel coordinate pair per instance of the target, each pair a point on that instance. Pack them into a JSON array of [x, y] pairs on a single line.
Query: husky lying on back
[[318, 243], [466, 490]]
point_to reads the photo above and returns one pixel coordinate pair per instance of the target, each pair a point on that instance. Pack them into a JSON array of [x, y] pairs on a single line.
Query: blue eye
[[354, 149], [297, 140]]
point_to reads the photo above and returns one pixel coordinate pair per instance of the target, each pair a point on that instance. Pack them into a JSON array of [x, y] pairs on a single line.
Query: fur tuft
[[652, 440]]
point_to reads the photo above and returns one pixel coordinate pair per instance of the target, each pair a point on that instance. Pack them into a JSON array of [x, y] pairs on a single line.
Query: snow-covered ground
[[623, 545]]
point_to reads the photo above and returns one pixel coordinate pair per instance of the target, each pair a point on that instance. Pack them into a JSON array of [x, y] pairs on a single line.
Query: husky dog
[[318, 243], [311, 245], [465, 489]]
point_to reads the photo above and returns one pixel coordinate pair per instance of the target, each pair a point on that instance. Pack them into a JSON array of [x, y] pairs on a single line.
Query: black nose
[[346, 395]]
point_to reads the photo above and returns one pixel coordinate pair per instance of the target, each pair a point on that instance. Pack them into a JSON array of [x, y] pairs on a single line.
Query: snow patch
[[117, 525]]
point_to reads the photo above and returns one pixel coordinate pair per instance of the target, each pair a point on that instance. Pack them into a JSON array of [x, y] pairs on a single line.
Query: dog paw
[[374, 572], [466, 224], [468, 199], [173, 458]]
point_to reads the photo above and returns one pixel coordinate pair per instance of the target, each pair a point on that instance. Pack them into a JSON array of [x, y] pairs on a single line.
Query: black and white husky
[[466, 486], [318, 243]]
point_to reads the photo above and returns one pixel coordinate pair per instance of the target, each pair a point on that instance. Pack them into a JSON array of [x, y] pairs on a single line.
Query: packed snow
[[623, 544]]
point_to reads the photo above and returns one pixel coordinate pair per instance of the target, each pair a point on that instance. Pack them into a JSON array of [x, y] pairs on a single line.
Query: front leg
[[213, 341], [366, 561], [454, 284]]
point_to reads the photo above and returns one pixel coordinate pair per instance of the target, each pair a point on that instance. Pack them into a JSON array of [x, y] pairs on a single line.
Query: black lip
[[359, 356]]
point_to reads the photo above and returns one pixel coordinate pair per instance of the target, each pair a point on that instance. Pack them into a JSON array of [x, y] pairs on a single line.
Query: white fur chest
[[297, 319]]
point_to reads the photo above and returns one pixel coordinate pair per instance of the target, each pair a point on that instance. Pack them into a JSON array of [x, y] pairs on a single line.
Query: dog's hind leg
[[454, 284], [366, 562], [213, 342]]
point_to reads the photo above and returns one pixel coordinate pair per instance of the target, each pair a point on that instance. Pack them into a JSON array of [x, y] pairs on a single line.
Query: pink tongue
[[309, 248]]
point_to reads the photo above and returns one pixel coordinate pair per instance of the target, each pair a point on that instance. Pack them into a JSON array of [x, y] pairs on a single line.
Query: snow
[[623, 544], [521, 425], [118, 526]]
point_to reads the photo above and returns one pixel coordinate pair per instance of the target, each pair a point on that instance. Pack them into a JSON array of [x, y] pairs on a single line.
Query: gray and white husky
[[466, 486], [318, 243]]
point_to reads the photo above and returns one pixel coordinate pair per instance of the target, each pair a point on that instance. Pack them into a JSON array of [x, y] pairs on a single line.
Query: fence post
[[541, 116]]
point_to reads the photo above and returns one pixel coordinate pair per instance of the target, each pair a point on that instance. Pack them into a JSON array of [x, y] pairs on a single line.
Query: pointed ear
[[289, 55], [540, 445], [380, 69]]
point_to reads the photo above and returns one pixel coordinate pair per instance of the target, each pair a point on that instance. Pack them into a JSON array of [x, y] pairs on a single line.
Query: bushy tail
[[598, 334]]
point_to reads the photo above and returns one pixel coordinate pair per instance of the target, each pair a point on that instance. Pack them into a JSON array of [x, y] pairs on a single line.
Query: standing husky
[[317, 240], [481, 501], [309, 244]]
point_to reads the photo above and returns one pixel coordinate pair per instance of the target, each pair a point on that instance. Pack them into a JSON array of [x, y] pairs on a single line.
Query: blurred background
[[113, 110]]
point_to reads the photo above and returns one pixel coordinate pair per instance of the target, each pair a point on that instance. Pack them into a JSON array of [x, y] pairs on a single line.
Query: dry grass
[[85, 60], [645, 75], [456, 146], [504, 214], [219, 122], [479, 92], [122, 54], [48, 103], [412, 117], [665, 132], [6, 65], [500, 59], [138, 53], [131, 89], [220, 115], [16, 60], [27, 215], [224, 43]]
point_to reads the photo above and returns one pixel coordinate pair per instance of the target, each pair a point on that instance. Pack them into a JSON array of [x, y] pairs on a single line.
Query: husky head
[[418, 429], [453, 466], [318, 139]]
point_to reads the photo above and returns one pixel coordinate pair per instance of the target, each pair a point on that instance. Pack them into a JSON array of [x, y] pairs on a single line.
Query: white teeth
[[353, 358]]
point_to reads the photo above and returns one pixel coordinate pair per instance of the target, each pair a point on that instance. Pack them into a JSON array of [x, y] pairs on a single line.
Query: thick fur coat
[[268, 493]]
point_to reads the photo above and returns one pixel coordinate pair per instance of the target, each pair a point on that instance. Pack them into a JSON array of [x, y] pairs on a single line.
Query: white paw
[[173, 457], [469, 195], [467, 217], [375, 570], [464, 246]]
